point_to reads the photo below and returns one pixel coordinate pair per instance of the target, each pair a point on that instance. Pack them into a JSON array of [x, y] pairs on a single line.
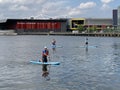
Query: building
[[74, 22], [119, 17], [115, 18], [34, 25], [97, 24]]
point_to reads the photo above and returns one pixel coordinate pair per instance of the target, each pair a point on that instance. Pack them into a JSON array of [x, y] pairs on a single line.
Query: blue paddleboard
[[54, 46], [88, 46], [46, 63]]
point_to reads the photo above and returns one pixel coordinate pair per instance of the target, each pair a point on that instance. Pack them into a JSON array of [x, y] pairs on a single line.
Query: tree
[[92, 29], [80, 28]]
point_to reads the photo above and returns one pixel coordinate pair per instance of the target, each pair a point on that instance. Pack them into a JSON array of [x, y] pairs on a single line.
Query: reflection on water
[[45, 73], [80, 69]]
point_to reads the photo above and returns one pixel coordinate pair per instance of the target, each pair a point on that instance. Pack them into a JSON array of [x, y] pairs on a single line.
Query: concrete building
[[115, 18], [99, 23], [119, 17], [88, 23]]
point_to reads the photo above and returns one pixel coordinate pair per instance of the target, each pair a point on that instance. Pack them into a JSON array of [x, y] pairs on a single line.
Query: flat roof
[[62, 20]]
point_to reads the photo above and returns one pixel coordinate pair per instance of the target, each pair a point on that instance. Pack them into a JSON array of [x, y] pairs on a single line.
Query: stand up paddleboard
[[88, 46], [54, 46], [46, 63]]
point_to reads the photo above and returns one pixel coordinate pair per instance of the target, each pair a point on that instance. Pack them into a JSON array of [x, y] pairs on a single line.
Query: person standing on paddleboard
[[45, 54], [86, 44], [53, 44], [86, 41]]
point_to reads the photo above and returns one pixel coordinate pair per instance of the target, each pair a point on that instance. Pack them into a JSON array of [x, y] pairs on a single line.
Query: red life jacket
[[45, 52]]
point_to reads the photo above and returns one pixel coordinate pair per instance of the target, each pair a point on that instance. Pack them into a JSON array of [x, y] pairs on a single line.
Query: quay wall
[[72, 34], [12, 32], [7, 32]]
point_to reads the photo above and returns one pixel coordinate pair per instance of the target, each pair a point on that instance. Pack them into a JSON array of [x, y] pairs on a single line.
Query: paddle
[[49, 58]]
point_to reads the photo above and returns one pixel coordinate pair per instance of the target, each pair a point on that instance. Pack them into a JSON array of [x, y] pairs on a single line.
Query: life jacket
[[45, 52], [53, 42]]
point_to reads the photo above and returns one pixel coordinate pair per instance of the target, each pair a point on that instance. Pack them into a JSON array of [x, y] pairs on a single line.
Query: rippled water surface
[[95, 68]]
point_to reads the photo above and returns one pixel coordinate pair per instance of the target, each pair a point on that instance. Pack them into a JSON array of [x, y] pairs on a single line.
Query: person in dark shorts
[[86, 42], [45, 54]]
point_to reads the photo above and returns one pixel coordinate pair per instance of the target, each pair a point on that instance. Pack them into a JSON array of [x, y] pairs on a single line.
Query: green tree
[[92, 29], [80, 28]]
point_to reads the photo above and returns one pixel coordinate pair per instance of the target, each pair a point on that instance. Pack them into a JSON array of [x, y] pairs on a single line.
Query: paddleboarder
[[86, 42], [45, 54], [54, 45]]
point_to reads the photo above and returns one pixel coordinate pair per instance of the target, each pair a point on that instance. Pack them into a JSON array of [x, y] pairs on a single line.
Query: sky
[[25, 9]]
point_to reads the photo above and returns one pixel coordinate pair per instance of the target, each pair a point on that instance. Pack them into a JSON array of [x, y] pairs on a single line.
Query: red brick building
[[34, 25]]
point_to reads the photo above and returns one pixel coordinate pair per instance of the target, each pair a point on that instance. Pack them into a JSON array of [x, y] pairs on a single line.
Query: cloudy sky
[[57, 8]]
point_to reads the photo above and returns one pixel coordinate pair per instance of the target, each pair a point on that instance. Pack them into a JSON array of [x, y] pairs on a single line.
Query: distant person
[[54, 45], [86, 42], [53, 42], [45, 55]]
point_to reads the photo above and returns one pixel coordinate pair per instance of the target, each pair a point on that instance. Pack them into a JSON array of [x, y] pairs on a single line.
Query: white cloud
[[106, 1], [59, 9], [22, 1], [9, 1], [74, 11], [41, 1], [105, 7], [53, 5], [1, 16], [78, 10], [4, 1], [87, 5], [18, 8], [52, 9], [48, 8]]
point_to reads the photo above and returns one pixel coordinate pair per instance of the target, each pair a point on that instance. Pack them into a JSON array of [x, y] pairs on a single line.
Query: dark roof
[[60, 20]]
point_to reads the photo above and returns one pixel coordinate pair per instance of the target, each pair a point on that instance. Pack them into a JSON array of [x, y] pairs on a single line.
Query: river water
[[95, 68]]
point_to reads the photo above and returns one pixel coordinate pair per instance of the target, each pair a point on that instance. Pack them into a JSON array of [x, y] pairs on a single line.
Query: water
[[97, 68]]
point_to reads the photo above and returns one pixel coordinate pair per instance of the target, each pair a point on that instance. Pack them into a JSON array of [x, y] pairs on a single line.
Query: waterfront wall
[[72, 34], [106, 34], [7, 32]]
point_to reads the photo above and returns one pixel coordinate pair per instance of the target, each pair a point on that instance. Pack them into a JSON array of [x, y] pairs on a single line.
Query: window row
[[38, 25]]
